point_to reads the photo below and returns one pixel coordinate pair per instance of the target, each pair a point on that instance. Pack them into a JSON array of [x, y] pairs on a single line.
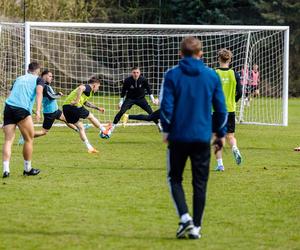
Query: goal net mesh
[[76, 54]]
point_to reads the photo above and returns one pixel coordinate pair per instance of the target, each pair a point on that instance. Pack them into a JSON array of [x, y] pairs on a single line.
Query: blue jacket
[[189, 92]]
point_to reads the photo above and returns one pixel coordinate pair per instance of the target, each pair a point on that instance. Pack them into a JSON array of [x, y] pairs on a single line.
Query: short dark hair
[[33, 66], [93, 80], [190, 46], [135, 68], [45, 72]]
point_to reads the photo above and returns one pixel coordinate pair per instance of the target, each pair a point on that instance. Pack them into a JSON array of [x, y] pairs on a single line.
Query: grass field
[[118, 199]]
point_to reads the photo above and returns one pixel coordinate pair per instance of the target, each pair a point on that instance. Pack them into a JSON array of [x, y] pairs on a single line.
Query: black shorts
[[73, 113], [13, 115], [49, 118], [230, 125]]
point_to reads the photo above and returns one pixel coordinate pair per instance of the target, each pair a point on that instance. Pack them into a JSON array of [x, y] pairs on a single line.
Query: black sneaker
[[183, 228], [5, 174], [33, 171]]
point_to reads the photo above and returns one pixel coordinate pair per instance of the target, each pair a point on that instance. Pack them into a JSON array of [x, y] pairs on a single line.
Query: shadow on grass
[[80, 234]]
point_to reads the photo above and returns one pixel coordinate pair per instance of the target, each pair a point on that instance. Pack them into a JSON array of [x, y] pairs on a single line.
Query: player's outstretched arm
[[93, 106]]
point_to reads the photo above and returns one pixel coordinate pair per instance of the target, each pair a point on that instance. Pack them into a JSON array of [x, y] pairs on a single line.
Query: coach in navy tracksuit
[[189, 92]]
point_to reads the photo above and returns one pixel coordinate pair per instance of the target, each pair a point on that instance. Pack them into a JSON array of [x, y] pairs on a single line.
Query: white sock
[[220, 162], [113, 127], [5, 166], [234, 147], [185, 218], [102, 128], [27, 165], [88, 145]]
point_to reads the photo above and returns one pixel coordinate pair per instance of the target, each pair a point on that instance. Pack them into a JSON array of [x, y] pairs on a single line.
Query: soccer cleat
[[194, 233], [33, 171], [93, 151], [5, 174], [183, 229], [21, 140], [220, 168], [87, 126], [297, 149], [125, 119], [237, 156]]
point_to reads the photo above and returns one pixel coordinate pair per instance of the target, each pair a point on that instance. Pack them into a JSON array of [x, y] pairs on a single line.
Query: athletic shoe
[[183, 228], [107, 132], [237, 156], [87, 126], [21, 140], [93, 151], [297, 149], [194, 233], [220, 168], [125, 119], [5, 174], [33, 171]]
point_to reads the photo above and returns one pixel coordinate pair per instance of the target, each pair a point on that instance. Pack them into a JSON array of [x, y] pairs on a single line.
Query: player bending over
[[73, 109], [17, 112], [134, 88], [50, 108], [232, 91]]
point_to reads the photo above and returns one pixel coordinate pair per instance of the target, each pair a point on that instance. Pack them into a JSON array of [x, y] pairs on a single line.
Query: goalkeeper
[[134, 88], [73, 109]]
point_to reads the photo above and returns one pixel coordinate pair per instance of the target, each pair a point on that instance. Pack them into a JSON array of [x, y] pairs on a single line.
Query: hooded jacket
[[189, 92]]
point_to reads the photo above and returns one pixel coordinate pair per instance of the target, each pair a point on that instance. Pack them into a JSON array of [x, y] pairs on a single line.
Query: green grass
[[119, 198]]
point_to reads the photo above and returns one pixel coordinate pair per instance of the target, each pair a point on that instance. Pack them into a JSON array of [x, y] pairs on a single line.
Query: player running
[[233, 92], [73, 109]]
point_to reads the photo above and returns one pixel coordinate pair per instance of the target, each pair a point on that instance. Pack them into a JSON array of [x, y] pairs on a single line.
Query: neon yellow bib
[[229, 88], [72, 97]]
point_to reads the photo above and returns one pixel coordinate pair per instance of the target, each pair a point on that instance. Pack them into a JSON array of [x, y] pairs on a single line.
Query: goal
[[74, 52]]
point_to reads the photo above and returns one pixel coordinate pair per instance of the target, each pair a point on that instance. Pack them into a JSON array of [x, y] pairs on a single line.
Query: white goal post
[[76, 51]]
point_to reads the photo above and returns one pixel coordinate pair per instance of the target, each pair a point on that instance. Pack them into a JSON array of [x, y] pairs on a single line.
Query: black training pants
[[128, 103], [152, 117], [199, 153]]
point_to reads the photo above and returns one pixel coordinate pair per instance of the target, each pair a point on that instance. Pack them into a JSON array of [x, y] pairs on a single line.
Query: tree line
[[228, 12]]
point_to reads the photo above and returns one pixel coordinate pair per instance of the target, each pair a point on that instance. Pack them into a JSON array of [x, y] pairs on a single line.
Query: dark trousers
[[199, 153], [149, 118], [128, 103]]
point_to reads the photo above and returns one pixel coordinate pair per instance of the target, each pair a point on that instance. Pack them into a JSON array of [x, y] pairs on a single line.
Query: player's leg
[[84, 138], [95, 122], [231, 138], [127, 104], [200, 158], [176, 158], [219, 157], [218, 154], [27, 131], [9, 136], [142, 103], [70, 125]]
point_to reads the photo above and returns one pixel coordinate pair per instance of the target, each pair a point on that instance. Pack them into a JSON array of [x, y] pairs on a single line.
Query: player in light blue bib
[[17, 112]]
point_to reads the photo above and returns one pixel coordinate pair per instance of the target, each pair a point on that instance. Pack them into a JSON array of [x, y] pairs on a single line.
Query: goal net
[[74, 52]]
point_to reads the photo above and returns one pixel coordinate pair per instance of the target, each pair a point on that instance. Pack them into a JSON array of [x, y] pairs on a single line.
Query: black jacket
[[135, 89]]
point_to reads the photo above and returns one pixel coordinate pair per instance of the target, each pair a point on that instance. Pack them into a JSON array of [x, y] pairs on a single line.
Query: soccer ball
[[104, 135]]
